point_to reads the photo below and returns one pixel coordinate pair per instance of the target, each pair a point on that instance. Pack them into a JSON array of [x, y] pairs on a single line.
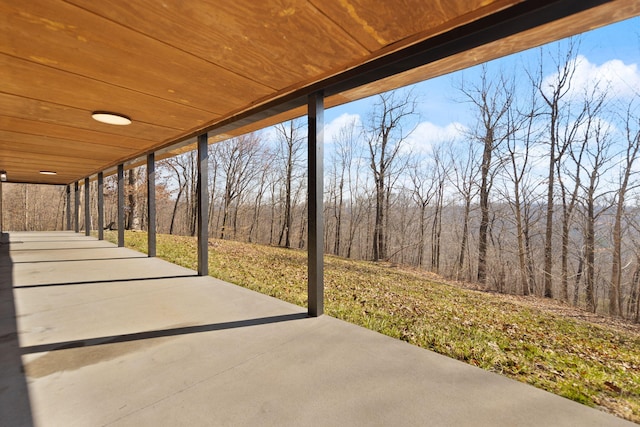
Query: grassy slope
[[591, 364]]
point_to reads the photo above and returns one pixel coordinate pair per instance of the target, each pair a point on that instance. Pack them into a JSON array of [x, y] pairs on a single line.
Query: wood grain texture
[[177, 67], [70, 38], [49, 145], [42, 129], [276, 43], [41, 82], [37, 112], [377, 24]]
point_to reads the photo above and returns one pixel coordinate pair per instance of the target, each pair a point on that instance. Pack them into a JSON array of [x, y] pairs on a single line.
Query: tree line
[[538, 196]]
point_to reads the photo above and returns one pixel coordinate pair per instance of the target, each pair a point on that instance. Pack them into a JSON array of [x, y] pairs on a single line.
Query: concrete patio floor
[[95, 335]]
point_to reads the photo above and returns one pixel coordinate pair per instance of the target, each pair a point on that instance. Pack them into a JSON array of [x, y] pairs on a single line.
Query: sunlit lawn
[[588, 363]]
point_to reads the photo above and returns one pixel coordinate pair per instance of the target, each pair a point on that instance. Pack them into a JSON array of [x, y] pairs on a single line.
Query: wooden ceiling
[[178, 68]]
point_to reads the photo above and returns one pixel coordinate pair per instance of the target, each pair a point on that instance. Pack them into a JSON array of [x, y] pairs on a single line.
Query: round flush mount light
[[48, 173], [111, 118]]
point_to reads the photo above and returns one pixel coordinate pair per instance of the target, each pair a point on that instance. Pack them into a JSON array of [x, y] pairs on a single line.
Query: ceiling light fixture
[[48, 173], [3, 176], [111, 118]]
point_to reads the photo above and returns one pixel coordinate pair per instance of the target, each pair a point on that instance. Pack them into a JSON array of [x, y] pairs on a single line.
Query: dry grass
[[527, 339]]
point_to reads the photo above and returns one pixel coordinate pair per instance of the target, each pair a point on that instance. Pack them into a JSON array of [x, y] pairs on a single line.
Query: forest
[[540, 195]]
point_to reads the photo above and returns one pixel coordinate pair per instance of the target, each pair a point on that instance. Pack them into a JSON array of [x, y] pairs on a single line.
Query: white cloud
[[332, 129], [427, 135], [617, 79]]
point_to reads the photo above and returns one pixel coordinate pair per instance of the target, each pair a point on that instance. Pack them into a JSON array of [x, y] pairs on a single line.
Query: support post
[[68, 207], [203, 206], [2, 212], [151, 204], [100, 206], [120, 205], [76, 208], [87, 208], [315, 248]]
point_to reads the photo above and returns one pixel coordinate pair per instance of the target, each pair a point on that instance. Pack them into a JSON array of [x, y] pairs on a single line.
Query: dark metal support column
[[76, 208], [315, 249], [203, 206], [100, 206], [151, 204], [68, 207], [1, 211], [87, 208], [121, 206]]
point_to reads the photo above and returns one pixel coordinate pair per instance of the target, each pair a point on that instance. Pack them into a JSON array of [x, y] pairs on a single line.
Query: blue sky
[[612, 52]]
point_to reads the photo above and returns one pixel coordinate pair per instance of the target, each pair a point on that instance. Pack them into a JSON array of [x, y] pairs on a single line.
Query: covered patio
[[93, 334]]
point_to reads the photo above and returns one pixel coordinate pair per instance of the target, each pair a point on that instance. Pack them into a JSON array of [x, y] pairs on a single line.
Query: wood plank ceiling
[[177, 67]]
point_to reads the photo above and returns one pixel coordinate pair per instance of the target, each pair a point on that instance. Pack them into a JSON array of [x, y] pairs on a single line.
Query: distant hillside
[[586, 358]]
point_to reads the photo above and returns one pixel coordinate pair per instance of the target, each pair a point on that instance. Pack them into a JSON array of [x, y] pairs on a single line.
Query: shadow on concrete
[[79, 260], [77, 239], [162, 333], [97, 282], [66, 248], [15, 409]]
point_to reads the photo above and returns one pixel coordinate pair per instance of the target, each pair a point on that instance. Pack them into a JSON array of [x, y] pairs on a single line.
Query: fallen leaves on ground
[[590, 359]]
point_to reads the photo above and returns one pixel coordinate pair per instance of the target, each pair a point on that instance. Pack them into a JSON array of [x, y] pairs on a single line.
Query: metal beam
[[76, 208], [121, 205], [151, 204], [203, 206], [315, 249], [87, 208], [100, 206], [68, 207]]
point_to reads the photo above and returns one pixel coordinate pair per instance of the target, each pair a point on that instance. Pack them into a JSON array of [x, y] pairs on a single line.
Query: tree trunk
[[378, 232], [590, 257], [175, 208], [578, 278], [616, 267], [484, 207], [548, 236], [465, 237]]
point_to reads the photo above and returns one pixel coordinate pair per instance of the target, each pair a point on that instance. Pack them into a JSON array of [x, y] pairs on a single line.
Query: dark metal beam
[[203, 206], [87, 208], [315, 250], [76, 208], [121, 205], [1, 211], [100, 206], [68, 207], [151, 204]]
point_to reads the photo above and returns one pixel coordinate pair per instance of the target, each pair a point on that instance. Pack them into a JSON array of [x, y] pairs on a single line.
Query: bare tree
[[597, 143], [265, 169], [291, 142], [342, 162], [385, 137], [569, 198], [440, 173], [465, 169], [133, 208], [422, 191], [238, 162], [554, 93], [632, 132], [492, 99], [177, 167], [518, 147]]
